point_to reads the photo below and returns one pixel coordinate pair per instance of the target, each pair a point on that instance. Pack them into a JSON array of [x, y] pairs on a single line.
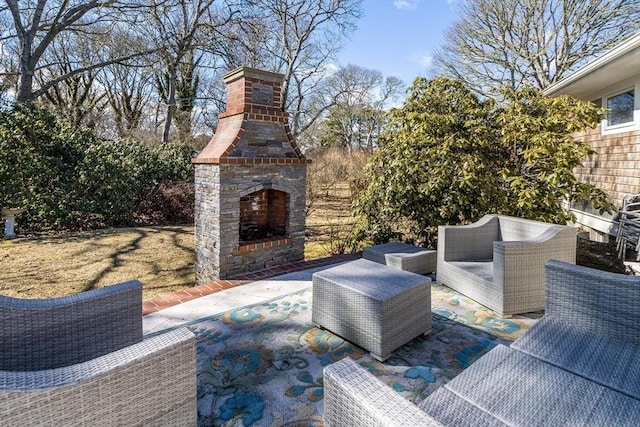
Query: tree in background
[[530, 42], [77, 98], [449, 157], [62, 48], [298, 38], [356, 118], [30, 28], [128, 90], [178, 28]]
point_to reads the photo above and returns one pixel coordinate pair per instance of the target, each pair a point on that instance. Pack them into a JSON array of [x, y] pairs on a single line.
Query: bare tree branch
[[531, 42], [38, 24], [122, 60]]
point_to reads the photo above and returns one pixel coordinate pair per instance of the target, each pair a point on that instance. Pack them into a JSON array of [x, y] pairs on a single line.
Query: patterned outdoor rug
[[262, 365]]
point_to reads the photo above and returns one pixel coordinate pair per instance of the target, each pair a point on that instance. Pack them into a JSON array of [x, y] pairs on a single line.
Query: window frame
[[627, 126]]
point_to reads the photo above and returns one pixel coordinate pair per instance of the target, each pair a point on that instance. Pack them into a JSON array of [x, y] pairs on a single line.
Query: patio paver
[[165, 301]]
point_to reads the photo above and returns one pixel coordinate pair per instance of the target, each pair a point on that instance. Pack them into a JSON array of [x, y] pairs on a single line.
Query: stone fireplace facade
[[250, 184]]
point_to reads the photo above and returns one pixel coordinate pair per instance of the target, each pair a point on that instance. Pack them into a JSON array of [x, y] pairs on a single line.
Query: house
[[611, 81]]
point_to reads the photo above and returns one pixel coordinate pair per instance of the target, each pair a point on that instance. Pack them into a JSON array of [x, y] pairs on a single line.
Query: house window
[[623, 111], [620, 108]]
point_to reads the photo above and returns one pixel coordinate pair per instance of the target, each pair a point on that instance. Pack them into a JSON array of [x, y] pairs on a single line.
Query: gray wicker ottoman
[[403, 256], [376, 307]]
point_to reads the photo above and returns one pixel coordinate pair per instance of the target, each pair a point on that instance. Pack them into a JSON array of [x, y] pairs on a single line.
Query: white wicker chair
[[498, 261], [81, 360]]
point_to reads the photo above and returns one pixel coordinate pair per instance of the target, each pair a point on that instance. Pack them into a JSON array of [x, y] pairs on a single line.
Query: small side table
[[403, 256]]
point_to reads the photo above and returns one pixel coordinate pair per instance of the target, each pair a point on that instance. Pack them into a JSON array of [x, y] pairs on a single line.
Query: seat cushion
[[608, 361], [521, 390], [481, 268], [451, 410]]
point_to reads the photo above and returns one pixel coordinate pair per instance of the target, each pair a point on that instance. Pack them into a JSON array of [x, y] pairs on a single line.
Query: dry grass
[[329, 223], [162, 258], [51, 266]]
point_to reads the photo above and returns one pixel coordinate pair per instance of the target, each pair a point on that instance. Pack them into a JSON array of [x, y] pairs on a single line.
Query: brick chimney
[[254, 127]]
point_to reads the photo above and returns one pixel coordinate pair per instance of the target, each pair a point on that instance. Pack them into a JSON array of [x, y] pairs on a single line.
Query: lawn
[[161, 258], [51, 266]]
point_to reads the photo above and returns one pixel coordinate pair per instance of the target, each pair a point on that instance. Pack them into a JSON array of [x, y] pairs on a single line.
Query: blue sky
[[398, 37]]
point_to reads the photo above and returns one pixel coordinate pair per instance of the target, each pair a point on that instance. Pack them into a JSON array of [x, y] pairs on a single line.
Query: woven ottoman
[[403, 256], [376, 307]]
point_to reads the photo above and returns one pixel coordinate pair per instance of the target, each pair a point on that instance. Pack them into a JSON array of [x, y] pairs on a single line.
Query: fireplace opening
[[263, 215]]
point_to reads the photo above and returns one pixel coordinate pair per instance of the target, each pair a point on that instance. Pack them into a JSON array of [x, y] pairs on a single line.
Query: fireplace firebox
[[263, 215]]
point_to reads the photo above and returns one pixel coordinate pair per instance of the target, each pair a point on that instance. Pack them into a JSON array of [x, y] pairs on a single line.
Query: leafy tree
[[531, 42], [449, 157]]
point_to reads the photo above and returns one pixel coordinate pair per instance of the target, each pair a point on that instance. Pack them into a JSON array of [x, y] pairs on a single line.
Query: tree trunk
[[25, 93], [25, 83], [171, 103]]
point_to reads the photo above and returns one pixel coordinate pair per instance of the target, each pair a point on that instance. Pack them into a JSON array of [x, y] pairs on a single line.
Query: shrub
[[449, 157], [68, 178], [170, 203], [38, 160]]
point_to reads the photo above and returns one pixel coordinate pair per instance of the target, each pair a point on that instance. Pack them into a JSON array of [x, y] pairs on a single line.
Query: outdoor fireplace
[[250, 183]]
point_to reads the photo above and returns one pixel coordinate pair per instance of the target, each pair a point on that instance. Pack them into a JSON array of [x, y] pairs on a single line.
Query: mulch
[[601, 256]]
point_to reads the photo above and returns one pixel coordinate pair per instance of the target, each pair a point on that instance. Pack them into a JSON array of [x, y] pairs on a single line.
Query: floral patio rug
[[262, 365]]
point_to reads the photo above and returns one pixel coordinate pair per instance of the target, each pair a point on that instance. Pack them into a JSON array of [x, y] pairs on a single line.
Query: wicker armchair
[[579, 365], [82, 360], [498, 261]]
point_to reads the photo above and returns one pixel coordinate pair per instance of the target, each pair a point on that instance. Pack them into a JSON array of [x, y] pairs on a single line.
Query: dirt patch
[[601, 256]]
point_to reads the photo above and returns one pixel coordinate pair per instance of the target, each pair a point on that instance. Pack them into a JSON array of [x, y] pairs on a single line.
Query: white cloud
[[424, 59], [329, 69], [406, 4]]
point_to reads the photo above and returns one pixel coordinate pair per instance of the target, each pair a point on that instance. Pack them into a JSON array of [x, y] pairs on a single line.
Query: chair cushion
[[521, 390], [481, 268], [608, 361], [451, 410]]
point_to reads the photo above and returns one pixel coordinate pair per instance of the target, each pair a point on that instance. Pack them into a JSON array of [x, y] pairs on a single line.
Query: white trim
[[603, 225]]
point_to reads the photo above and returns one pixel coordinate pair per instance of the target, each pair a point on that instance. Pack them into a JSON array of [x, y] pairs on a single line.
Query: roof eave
[[625, 48]]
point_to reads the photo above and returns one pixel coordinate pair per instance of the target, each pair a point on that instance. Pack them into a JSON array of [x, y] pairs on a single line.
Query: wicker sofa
[[579, 365], [82, 360], [498, 261]]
